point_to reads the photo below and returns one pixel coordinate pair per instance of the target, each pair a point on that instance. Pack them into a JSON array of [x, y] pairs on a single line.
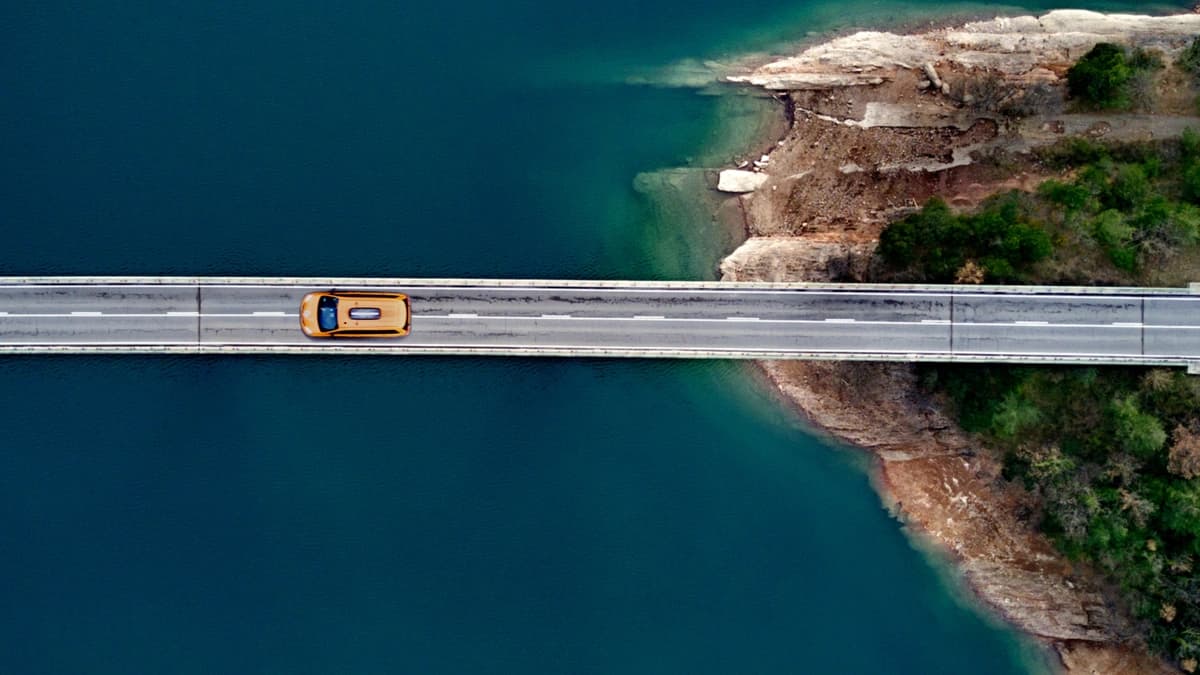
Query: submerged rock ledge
[[881, 123]]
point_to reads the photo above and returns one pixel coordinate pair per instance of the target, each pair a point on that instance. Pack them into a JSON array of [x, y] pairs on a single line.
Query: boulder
[[736, 180], [932, 74]]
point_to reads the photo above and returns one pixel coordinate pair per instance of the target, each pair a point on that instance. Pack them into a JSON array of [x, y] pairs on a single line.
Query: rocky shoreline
[[880, 123]]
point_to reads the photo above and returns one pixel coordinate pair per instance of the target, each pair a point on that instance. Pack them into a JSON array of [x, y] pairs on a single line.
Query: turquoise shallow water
[[414, 515]]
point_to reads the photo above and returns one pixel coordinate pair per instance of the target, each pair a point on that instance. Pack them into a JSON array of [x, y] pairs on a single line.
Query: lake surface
[[382, 515]]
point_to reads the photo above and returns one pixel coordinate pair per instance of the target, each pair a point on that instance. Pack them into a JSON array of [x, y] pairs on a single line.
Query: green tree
[[1153, 216], [1189, 60], [1129, 188], [1138, 433], [1185, 224], [1189, 143], [1115, 236], [1099, 78], [998, 269], [934, 243], [1067, 195], [1024, 244], [1014, 414], [1190, 183], [1181, 510], [1047, 464], [905, 242]]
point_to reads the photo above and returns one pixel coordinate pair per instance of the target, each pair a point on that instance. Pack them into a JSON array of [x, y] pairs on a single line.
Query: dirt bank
[[881, 122]]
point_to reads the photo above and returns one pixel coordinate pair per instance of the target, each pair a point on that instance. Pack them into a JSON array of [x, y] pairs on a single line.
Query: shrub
[[1190, 184], [1181, 511], [1184, 458], [1123, 200], [1143, 63], [1100, 77], [1189, 60], [1128, 189], [1184, 226], [1110, 229], [1067, 195], [935, 244], [1014, 414], [1189, 156], [1114, 234], [1072, 152], [1189, 144], [1137, 432], [970, 273], [1146, 59]]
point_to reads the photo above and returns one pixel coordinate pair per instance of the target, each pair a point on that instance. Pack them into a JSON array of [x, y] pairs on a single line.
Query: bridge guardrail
[[578, 283]]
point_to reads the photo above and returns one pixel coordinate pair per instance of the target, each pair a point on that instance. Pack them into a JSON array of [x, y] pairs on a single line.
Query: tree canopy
[[935, 243], [1099, 78]]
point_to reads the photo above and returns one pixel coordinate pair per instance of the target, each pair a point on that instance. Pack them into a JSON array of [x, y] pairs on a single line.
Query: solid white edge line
[[960, 324]]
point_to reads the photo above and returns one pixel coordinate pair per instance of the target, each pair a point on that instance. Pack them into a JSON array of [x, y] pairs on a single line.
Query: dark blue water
[[377, 515], [452, 516]]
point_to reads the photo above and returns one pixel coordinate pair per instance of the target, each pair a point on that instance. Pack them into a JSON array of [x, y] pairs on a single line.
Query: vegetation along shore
[[1059, 149]]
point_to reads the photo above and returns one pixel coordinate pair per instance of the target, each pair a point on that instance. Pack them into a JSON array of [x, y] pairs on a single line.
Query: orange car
[[355, 314]]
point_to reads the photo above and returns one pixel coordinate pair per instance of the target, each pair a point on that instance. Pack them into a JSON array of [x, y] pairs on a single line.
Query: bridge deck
[[575, 318]]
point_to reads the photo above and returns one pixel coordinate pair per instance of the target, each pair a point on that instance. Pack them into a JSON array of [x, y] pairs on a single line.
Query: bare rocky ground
[[882, 122]]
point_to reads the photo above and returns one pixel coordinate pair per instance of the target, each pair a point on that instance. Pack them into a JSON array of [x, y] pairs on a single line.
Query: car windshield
[[327, 313]]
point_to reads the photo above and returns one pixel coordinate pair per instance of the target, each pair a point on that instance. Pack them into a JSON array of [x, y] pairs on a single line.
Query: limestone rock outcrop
[[1012, 45], [736, 180], [795, 259]]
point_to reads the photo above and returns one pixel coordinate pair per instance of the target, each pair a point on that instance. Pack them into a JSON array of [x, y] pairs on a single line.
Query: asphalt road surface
[[637, 319]]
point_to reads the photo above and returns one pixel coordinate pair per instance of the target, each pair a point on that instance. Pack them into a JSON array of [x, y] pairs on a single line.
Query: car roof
[[392, 308]]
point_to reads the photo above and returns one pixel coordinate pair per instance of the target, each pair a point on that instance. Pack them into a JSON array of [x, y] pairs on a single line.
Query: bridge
[[226, 315]]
